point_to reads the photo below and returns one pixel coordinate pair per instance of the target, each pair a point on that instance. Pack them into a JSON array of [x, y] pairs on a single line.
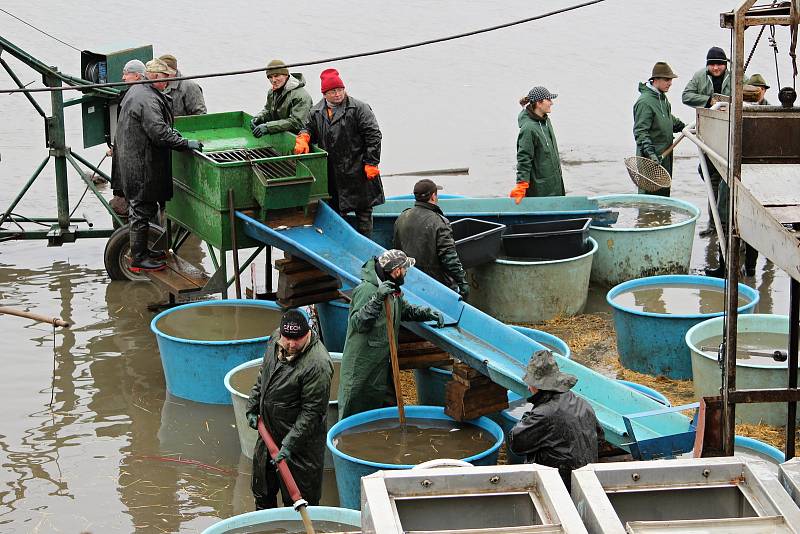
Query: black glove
[[386, 288], [195, 145], [260, 130], [283, 454], [463, 289], [253, 123], [439, 318], [252, 420], [653, 156]]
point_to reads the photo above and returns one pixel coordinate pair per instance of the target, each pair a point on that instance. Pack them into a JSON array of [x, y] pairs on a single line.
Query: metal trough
[[709, 495], [789, 475], [502, 498]]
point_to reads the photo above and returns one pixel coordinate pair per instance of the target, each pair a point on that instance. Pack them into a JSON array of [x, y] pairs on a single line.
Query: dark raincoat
[[352, 139], [145, 139], [366, 366], [292, 398], [538, 162], [423, 233], [654, 124], [287, 110], [187, 97], [560, 431]]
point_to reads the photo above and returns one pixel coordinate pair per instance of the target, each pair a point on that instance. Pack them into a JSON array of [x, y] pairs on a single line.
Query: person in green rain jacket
[[365, 374], [653, 121], [288, 102], [538, 162]]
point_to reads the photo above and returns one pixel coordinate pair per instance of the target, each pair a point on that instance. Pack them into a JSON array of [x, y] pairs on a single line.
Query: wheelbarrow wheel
[[118, 250]]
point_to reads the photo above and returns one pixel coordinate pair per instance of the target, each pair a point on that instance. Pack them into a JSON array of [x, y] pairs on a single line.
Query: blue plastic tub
[[349, 470], [333, 323], [432, 381], [653, 343], [649, 392], [263, 518], [196, 369], [759, 448]]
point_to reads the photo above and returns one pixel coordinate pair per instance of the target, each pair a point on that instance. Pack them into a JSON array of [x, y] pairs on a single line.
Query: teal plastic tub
[[349, 469], [261, 519], [195, 369], [707, 374], [654, 343], [431, 381], [629, 253], [333, 323]]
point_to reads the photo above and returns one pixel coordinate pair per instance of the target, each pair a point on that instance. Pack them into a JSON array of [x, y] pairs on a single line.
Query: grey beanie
[[134, 65]]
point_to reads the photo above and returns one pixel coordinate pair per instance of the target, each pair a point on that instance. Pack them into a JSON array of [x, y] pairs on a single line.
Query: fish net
[[647, 174]]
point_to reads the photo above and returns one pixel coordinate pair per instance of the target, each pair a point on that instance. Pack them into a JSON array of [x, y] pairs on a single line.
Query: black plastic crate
[[552, 240], [477, 242]]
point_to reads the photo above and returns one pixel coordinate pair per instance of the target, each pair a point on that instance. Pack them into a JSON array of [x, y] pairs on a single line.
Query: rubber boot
[[750, 259], [719, 272], [141, 260], [156, 254]]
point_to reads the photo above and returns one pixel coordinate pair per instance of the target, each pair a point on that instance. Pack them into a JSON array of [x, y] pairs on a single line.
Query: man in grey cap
[[365, 381], [288, 102], [561, 429], [187, 95], [538, 162], [133, 71], [424, 233]]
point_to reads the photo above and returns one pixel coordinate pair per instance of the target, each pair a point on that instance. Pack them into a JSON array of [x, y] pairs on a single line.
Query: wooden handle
[[671, 147], [401, 412], [55, 321]]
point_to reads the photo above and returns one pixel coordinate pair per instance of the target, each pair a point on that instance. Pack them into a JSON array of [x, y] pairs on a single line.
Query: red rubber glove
[[372, 171], [301, 143], [518, 193]]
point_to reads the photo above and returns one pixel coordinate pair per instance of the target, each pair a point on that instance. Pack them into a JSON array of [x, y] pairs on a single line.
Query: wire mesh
[[647, 174]]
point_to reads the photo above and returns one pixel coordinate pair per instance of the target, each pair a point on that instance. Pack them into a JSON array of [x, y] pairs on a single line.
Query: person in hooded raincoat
[[653, 121], [365, 377], [291, 395], [561, 430], [288, 102], [538, 161]]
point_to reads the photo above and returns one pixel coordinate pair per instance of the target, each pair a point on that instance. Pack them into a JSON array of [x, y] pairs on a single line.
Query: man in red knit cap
[[348, 131]]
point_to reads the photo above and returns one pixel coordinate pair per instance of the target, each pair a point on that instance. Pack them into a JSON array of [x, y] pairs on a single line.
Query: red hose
[[283, 469]]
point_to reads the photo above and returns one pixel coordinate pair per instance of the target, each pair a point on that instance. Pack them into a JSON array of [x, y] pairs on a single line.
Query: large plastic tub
[[432, 381], [653, 343], [333, 323], [195, 369], [261, 519], [707, 374], [248, 436], [349, 470], [521, 291], [553, 240], [477, 242], [629, 253]]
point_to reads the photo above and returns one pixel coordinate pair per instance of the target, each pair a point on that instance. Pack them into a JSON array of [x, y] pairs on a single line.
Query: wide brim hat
[[758, 81], [662, 70], [543, 373]]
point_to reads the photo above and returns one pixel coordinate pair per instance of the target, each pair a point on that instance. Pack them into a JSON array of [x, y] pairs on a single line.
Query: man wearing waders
[[291, 395]]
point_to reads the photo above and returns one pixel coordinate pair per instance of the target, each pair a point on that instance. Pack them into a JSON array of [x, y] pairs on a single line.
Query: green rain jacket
[[423, 233], [538, 162], [654, 124], [700, 88], [292, 398], [286, 110], [366, 366]]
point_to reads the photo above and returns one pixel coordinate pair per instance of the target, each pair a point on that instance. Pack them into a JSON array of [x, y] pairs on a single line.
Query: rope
[[753, 51], [316, 61], [774, 44], [39, 30]]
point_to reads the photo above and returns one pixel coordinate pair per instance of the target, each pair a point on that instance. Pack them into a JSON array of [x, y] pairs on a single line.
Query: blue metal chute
[[484, 343]]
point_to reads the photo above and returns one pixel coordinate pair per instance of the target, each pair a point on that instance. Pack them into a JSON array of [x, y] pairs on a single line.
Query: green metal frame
[[64, 228]]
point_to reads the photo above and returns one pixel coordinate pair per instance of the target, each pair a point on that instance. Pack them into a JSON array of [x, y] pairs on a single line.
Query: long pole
[[234, 245], [794, 322], [55, 321], [398, 393]]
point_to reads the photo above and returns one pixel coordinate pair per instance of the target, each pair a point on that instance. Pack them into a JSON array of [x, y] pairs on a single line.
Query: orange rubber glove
[[301, 143], [518, 193], [372, 171]]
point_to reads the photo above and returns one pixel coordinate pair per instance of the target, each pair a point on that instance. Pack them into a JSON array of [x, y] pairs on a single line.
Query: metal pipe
[[94, 189], [24, 190], [794, 326], [234, 247], [706, 149], [712, 202], [246, 264], [19, 83]]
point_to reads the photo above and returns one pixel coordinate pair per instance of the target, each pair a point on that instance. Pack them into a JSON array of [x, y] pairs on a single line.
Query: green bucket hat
[[757, 80], [543, 373], [276, 66], [662, 70]]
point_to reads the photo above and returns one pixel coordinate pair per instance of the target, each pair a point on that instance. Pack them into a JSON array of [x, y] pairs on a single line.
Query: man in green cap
[[561, 429], [653, 121], [365, 377], [288, 102], [757, 81]]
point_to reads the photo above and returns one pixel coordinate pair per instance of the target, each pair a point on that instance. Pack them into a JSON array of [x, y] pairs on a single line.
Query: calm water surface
[[89, 438]]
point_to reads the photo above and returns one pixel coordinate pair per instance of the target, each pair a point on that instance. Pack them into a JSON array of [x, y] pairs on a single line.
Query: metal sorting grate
[[269, 169]]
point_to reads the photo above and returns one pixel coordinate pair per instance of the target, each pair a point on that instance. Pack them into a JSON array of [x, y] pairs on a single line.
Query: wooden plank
[[467, 402], [423, 361], [308, 299], [179, 277], [293, 265], [422, 347], [309, 289], [302, 278]]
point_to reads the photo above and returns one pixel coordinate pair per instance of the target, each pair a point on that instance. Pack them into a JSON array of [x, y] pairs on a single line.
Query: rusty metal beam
[[765, 395], [794, 324]]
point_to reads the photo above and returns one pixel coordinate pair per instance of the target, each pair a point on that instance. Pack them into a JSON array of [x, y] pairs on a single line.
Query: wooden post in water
[[398, 393]]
